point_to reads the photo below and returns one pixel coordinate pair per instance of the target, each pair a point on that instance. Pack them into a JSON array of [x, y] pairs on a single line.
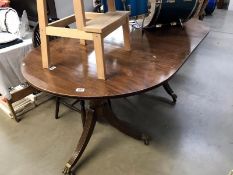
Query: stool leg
[[43, 20], [111, 5], [99, 52], [126, 32]]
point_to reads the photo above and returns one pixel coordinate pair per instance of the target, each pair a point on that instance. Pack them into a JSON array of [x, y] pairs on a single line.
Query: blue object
[[136, 7], [210, 7], [161, 12]]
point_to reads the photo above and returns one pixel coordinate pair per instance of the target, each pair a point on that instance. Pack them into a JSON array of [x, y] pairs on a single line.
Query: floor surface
[[193, 137]]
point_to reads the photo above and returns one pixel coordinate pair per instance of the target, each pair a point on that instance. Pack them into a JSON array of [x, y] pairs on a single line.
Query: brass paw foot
[[67, 169]]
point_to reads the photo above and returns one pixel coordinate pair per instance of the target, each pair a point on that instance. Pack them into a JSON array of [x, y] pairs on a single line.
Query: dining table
[[156, 56]]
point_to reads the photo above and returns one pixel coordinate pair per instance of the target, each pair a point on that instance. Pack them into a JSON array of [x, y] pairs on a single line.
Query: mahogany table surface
[[154, 58]]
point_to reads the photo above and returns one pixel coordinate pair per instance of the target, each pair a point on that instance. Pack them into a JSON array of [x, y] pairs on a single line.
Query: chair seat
[[106, 23]]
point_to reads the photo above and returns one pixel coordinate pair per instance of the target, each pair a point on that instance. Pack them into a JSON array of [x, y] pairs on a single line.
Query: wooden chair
[[90, 26]]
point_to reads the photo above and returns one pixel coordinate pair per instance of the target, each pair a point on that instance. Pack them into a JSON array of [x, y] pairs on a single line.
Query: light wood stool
[[90, 26]]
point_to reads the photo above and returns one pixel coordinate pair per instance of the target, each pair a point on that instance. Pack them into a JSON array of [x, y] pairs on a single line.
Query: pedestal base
[[99, 109]]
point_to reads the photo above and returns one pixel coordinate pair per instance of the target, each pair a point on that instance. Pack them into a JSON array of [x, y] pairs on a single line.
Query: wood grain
[[155, 57]]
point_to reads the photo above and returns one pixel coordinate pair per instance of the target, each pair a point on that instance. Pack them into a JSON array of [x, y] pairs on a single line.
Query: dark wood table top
[[155, 57]]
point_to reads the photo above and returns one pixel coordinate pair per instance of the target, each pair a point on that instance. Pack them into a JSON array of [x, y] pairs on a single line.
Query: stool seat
[[89, 26], [106, 21]]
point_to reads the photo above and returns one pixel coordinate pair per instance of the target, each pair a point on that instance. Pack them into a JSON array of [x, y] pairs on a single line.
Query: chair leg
[[57, 108], [126, 33], [99, 52]]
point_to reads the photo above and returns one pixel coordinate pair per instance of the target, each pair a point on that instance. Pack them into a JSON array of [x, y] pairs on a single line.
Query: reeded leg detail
[[85, 137], [169, 90]]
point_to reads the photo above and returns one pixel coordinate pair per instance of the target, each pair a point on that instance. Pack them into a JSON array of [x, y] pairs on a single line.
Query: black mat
[[17, 41]]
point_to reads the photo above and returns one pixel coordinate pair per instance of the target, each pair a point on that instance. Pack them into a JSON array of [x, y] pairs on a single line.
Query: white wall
[[230, 7], [65, 7]]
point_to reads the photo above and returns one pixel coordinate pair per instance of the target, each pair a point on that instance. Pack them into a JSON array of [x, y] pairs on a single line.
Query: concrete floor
[[194, 137]]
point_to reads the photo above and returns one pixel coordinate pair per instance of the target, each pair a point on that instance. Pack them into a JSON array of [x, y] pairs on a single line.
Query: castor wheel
[[146, 139]]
